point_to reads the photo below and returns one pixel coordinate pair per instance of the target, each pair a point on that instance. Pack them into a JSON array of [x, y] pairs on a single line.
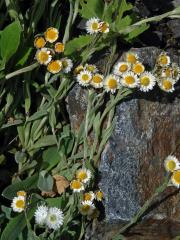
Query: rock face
[[147, 130]]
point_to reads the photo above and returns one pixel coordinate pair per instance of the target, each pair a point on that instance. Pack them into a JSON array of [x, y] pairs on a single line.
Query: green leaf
[[136, 32], [45, 181], [58, 202], [10, 39], [77, 44], [45, 141], [24, 55], [51, 157], [91, 8], [26, 185], [37, 115]]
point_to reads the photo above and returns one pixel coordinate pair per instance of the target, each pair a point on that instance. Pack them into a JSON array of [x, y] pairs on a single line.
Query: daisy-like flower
[[87, 208], [104, 27], [92, 25], [91, 68], [51, 34], [39, 42], [21, 193], [171, 163], [89, 196], [54, 66], [18, 204], [83, 175], [147, 81], [138, 68], [166, 72], [175, 72], [131, 57], [129, 80], [175, 178], [111, 83], [84, 77], [167, 84], [67, 65], [78, 69], [55, 218], [121, 67], [97, 80], [99, 195], [43, 56], [163, 60], [41, 215], [59, 47], [76, 186]]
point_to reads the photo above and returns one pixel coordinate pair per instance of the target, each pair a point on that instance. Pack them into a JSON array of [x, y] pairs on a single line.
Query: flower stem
[[69, 23], [22, 70]]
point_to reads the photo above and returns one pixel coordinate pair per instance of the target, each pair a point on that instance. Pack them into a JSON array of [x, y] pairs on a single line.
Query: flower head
[[163, 60], [147, 81], [104, 27], [51, 34], [175, 178], [129, 80], [54, 66], [59, 47], [175, 72], [171, 163], [131, 57], [97, 80], [92, 25], [138, 68], [76, 186], [87, 208], [21, 193], [167, 84], [99, 195], [121, 67], [111, 83], [67, 65], [78, 69], [39, 42], [43, 56], [83, 175], [89, 196], [41, 215], [84, 77], [54, 218], [91, 68], [18, 204]]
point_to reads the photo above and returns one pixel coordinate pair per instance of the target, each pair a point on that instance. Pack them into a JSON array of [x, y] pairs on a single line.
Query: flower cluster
[[95, 25], [172, 165], [83, 176], [49, 51], [167, 72], [19, 203], [51, 217]]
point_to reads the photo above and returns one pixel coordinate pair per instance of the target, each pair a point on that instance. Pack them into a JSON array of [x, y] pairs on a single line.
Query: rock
[[174, 26]]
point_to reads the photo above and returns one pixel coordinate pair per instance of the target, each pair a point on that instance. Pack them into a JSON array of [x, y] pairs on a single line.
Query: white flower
[[111, 83], [171, 163], [129, 80], [67, 65], [18, 204], [76, 186], [43, 56], [167, 84], [147, 81], [54, 218], [92, 25], [89, 196], [121, 67], [87, 208], [91, 68], [84, 77], [83, 175], [163, 60], [99, 195], [131, 57], [175, 178], [54, 66], [138, 68], [51, 34], [175, 72], [97, 80], [104, 27], [41, 215]]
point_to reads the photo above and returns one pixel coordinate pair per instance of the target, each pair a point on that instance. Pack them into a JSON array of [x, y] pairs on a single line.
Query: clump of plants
[[53, 192]]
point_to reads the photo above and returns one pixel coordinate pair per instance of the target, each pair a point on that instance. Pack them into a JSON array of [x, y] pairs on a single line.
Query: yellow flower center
[[138, 68], [20, 204], [176, 176], [54, 66], [43, 56], [163, 60], [104, 26], [51, 34], [112, 83], [78, 69], [99, 195], [131, 58], [90, 68], [144, 81], [39, 42], [85, 77], [65, 63], [97, 79], [76, 184], [81, 175], [21, 193], [171, 165], [167, 84], [129, 80], [95, 26], [168, 72], [85, 208], [123, 68], [53, 218], [87, 197], [59, 47]]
